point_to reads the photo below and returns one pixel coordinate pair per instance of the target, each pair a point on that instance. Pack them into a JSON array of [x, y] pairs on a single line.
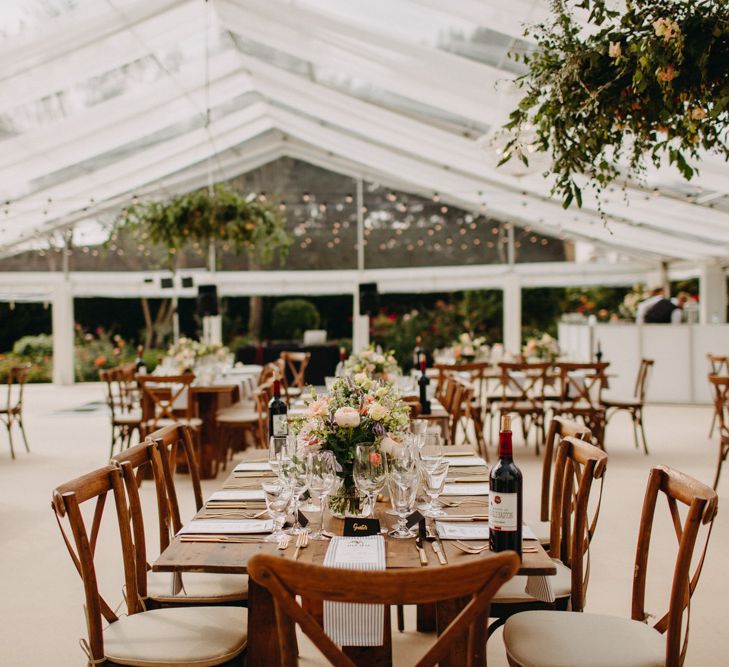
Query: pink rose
[[318, 408]]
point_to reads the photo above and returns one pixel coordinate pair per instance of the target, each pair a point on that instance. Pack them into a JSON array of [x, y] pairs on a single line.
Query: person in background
[[664, 311], [657, 293]]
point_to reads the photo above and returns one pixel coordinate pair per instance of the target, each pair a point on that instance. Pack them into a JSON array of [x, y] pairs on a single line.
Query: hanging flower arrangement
[[243, 224], [632, 88]]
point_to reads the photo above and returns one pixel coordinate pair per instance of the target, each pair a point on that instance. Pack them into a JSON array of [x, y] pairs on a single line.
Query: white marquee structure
[[104, 100]]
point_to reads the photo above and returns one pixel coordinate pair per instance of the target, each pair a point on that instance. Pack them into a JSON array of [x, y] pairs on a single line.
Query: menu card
[[228, 527], [253, 466], [351, 624], [237, 494], [466, 489], [473, 531], [464, 461]]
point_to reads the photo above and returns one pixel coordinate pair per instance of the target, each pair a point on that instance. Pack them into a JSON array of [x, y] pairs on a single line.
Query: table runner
[[349, 624]]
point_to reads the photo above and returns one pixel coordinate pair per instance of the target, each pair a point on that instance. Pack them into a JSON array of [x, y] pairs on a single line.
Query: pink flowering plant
[[357, 410]]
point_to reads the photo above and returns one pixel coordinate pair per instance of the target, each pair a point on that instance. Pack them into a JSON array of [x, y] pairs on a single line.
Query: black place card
[[302, 519], [354, 527], [415, 517]]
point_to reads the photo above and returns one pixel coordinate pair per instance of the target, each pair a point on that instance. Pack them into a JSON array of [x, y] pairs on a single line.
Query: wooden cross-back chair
[[172, 636], [476, 580], [160, 393], [633, 405], [559, 428], [126, 419], [296, 365], [12, 412], [522, 394], [720, 385], [160, 451], [580, 395], [577, 466], [718, 365], [538, 638]]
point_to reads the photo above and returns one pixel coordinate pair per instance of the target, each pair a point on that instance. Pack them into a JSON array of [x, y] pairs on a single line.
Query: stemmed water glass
[[369, 472], [419, 427], [294, 473], [321, 478], [278, 501], [279, 451], [434, 477], [403, 487]]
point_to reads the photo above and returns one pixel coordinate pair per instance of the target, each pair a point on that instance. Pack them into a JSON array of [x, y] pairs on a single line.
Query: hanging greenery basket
[[243, 224], [634, 88]]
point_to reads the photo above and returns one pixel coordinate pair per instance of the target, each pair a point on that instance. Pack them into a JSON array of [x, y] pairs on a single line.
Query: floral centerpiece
[[544, 348], [371, 362], [357, 410], [468, 347], [186, 353]]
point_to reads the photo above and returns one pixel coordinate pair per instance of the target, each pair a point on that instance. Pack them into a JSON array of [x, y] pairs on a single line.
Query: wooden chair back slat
[[559, 428], [577, 465], [296, 364], [718, 364], [159, 393], [702, 505], [476, 580], [641, 381], [582, 383], [720, 385], [523, 383], [17, 375]]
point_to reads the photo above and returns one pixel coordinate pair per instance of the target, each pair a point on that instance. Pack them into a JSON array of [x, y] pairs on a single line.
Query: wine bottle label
[[502, 511], [280, 425]]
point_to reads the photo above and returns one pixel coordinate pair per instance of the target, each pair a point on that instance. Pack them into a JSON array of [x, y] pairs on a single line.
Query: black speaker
[[207, 300], [369, 299], [187, 281], [166, 283]]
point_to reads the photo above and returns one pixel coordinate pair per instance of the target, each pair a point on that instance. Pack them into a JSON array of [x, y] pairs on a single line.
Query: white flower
[[377, 411], [381, 392], [363, 381], [347, 417], [615, 50], [318, 408]]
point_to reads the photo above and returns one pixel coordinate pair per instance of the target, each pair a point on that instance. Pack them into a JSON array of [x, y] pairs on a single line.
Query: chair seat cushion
[[513, 590], [193, 422], [128, 418], [571, 639], [198, 587], [237, 416], [177, 636]]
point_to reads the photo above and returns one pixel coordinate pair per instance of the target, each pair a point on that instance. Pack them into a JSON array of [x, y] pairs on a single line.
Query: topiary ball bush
[[291, 317]]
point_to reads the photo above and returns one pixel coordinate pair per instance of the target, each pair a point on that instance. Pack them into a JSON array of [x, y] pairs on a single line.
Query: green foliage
[[38, 372], [34, 348], [98, 350], [639, 86], [291, 317], [152, 357], [242, 224]]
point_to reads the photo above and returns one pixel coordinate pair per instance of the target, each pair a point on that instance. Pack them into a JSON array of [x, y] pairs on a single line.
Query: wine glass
[[369, 472], [278, 500], [321, 478], [434, 479], [403, 488], [293, 472], [278, 451]]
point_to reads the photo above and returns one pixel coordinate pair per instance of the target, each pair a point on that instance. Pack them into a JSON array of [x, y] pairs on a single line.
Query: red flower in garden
[[99, 361], [375, 458]]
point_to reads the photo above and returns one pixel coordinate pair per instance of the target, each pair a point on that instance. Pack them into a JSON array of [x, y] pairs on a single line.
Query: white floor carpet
[[41, 601]]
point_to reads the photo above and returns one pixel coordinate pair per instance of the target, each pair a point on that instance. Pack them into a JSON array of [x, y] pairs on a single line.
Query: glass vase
[[348, 501]]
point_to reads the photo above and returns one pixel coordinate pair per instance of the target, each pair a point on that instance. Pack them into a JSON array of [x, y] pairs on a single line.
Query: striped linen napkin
[[346, 623]]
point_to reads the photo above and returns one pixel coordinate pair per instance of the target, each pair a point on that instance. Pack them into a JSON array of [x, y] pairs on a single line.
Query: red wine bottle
[[278, 424], [423, 383], [505, 496]]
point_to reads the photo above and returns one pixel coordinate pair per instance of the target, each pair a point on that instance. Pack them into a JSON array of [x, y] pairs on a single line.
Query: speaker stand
[[213, 329]]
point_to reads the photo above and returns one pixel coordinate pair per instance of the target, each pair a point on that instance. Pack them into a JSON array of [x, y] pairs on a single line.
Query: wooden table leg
[[426, 618], [262, 636]]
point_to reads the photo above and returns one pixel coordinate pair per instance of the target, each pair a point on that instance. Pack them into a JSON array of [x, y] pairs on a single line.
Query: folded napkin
[[237, 494], [253, 466], [346, 623], [464, 461], [467, 489], [228, 527]]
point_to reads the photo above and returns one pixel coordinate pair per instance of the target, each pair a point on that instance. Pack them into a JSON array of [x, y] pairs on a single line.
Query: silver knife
[[437, 546], [421, 551]]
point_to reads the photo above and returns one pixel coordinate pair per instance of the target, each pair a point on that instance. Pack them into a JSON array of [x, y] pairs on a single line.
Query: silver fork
[[302, 541], [469, 549]]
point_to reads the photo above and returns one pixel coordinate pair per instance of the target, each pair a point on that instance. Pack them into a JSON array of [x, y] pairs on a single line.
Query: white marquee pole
[[712, 294], [511, 312], [360, 323], [62, 324]]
